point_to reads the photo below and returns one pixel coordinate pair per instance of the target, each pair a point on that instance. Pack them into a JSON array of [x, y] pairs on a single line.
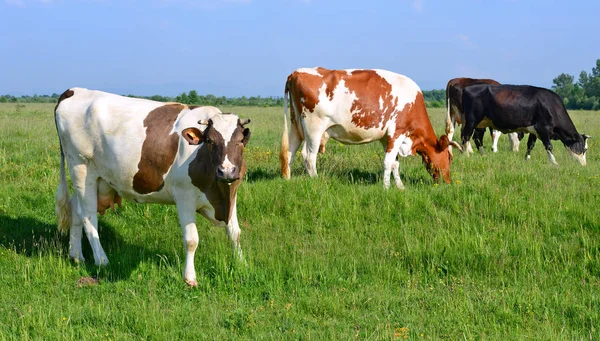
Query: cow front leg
[[233, 232], [187, 220], [530, 144], [390, 165], [548, 145], [396, 172]]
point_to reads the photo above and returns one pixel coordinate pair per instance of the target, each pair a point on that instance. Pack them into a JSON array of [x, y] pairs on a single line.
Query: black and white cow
[[522, 108], [147, 152], [455, 114]]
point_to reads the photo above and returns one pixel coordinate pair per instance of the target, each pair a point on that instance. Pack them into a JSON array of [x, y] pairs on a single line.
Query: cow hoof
[[77, 259], [191, 282], [102, 261]]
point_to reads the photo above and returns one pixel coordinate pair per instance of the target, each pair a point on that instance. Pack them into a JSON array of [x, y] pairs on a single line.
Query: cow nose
[[227, 174]]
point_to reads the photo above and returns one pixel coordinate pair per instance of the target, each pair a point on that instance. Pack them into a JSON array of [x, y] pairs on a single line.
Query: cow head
[[578, 147], [438, 159], [223, 143]]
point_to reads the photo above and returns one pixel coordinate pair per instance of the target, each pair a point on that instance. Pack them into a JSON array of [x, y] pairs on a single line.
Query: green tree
[[563, 85], [182, 98], [193, 97]]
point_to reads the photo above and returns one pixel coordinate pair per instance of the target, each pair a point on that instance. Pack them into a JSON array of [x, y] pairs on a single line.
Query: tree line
[[433, 98], [583, 94]]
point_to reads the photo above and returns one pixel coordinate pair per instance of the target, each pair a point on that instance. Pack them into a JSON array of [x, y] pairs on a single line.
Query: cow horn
[[456, 145], [204, 122], [244, 121], [585, 136]]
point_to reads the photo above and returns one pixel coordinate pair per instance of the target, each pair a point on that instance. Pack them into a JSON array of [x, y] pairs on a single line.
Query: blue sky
[[249, 47]]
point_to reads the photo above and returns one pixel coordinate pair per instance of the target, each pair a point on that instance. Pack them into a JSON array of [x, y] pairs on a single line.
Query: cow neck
[[221, 195], [415, 119]]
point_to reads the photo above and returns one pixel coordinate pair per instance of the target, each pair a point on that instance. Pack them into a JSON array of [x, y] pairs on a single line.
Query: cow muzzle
[[228, 174]]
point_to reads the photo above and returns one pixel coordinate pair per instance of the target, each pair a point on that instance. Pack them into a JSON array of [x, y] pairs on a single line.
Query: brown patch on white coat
[[360, 106], [132, 148]]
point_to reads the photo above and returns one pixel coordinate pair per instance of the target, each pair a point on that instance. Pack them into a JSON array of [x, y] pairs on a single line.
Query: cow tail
[[63, 204], [285, 142], [448, 116]]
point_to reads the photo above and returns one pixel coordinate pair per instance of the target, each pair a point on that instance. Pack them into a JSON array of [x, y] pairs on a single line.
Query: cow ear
[[192, 135], [443, 143], [246, 136]]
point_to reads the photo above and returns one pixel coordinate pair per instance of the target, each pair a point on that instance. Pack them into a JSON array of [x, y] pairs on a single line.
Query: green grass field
[[509, 251]]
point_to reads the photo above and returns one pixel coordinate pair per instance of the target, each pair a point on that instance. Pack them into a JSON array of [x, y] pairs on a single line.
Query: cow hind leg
[[310, 150], [466, 133], [495, 138], [75, 235], [478, 139], [514, 141], [289, 152], [86, 189]]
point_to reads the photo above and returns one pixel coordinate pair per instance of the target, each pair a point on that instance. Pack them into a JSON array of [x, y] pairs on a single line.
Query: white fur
[[334, 116], [102, 136]]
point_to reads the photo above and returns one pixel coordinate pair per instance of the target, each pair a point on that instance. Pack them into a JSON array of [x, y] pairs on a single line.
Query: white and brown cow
[[360, 106], [147, 152]]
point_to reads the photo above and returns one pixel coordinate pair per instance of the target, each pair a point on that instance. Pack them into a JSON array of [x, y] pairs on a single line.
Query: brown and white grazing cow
[[360, 106], [147, 152], [455, 114]]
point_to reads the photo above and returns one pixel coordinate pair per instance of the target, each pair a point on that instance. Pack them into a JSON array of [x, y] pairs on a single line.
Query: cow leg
[[233, 231], [530, 144], [548, 145], [85, 186], [495, 138], [478, 139], [514, 141], [390, 164], [466, 132], [75, 235], [396, 172], [187, 219], [312, 140]]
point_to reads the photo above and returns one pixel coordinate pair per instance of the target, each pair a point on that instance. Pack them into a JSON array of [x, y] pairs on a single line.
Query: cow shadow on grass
[[31, 237], [357, 176], [260, 174]]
